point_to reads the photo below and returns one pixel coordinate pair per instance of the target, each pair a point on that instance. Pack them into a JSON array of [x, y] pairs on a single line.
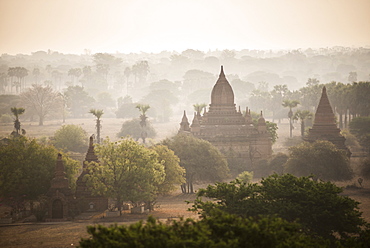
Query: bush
[[321, 159], [132, 128], [71, 138], [245, 176], [223, 231], [318, 206]]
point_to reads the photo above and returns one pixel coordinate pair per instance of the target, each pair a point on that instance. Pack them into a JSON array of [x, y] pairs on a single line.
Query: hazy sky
[[70, 26]]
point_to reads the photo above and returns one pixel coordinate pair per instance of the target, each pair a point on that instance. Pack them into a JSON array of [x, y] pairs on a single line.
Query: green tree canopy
[[221, 230], [320, 158], [318, 206], [71, 138], [26, 168], [201, 160], [127, 171], [360, 127], [175, 174]]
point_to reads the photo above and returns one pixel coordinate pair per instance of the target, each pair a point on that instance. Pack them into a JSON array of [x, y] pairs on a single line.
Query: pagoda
[[227, 128], [325, 127], [85, 199], [60, 195]]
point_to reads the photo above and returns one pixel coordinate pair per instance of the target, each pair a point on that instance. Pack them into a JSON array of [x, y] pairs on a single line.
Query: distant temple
[[325, 127], [227, 128], [85, 200]]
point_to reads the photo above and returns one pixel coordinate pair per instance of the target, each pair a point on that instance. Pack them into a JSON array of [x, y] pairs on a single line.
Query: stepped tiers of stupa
[[227, 128], [324, 126], [87, 201]]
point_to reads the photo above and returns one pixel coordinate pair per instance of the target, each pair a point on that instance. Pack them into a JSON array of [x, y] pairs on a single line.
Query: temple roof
[[324, 113], [222, 93]]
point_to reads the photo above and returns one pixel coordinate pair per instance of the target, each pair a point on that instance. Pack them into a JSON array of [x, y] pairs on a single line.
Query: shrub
[[71, 138]]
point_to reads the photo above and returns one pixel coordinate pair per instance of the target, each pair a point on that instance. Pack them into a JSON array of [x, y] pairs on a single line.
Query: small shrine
[[325, 127], [86, 201], [60, 195]]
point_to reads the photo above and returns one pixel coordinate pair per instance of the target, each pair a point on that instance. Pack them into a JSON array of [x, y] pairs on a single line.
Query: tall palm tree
[[302, 115], [198, 107], [97, 113], [143, 108], [290, 104], [17, 112]]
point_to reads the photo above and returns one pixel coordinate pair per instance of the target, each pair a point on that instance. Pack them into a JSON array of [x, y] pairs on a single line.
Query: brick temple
[[227, 128], [324, 126]]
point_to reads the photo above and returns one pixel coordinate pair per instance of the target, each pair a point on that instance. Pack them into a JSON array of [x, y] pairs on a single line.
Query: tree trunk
[[41, 120], [302, 128]]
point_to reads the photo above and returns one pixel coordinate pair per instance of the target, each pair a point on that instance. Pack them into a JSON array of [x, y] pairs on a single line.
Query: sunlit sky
[[71, 26]]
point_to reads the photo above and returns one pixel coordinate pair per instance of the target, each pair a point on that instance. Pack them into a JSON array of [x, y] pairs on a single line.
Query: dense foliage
[[360, 127], [71, 138], [220, 230], [174, 173], [321, 158], [318, 206], [26, 168], [127, 171], [201, 160]]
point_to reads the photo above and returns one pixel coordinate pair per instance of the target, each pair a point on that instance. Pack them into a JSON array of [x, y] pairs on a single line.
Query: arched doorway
[[57, 209]]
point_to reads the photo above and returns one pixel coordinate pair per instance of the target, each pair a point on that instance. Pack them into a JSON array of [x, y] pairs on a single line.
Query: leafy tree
[[78, 100], [290, 104], [360, 127], [27, 167], [71, 138], [127, 171], [175, 174], [320, 158], [132, 128], [126, 110], [302, 115], [318, 206], [201, 160], [220, 230], [42, 101], [98, 114], [245, 177], [17, 112]]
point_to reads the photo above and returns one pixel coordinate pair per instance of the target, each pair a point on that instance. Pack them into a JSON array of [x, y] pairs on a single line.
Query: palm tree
[[143, 108], [17, 112], [290, 104], [199, 107], [97, 113], [302, 115]]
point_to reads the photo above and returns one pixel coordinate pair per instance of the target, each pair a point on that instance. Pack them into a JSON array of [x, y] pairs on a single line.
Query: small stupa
[[60, 196], [324, 126], [85, 200]]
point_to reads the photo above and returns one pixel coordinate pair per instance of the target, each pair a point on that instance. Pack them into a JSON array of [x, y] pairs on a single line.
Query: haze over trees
[[261, 79]]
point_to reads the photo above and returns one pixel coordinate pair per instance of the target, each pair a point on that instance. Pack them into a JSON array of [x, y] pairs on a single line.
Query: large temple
[[324, 126], [227, 128]]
